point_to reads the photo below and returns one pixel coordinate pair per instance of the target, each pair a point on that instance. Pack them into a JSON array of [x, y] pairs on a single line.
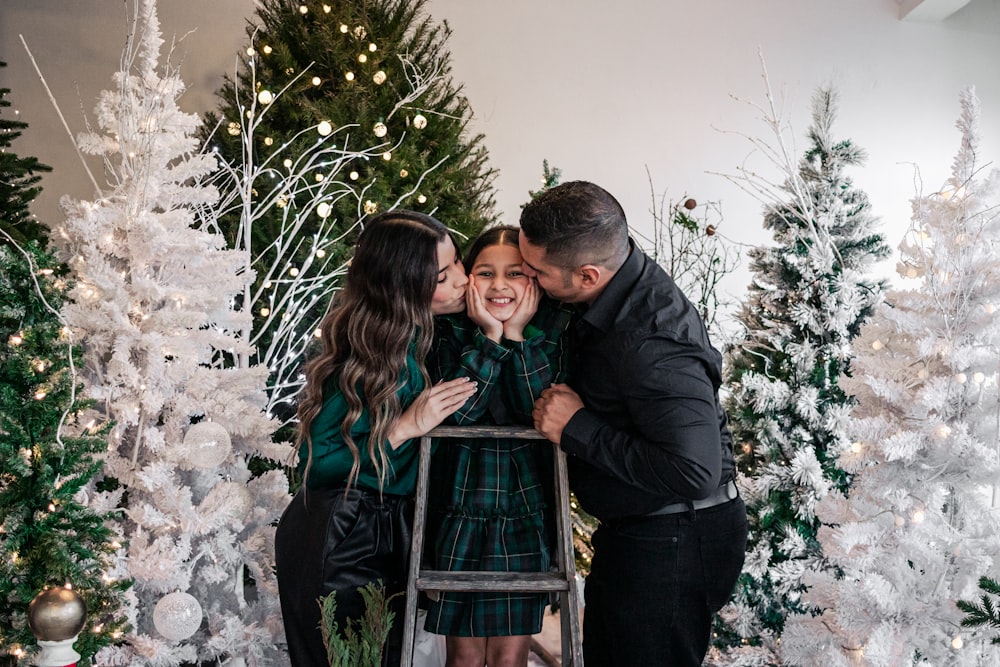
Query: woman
[[367, 397], [493, 510]]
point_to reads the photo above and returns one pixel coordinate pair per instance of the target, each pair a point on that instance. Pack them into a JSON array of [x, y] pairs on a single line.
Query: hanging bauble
[[207, 444], [371, 208], [56, 614], [177, 616], [710, 230], [689, 204], [419, 121], [380, 130], [265, 96]]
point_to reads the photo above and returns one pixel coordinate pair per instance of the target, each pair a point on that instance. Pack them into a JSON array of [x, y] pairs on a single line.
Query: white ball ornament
[[207, 444], [379, 77], [420, 121], [177, 616], [265, 96], [380, 130], [324, 128]]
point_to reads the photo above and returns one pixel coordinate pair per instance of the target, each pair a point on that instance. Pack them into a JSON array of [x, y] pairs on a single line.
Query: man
[[650, 451]]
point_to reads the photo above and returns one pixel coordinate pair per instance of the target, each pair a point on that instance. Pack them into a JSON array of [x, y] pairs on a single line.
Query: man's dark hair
[[577, 223]]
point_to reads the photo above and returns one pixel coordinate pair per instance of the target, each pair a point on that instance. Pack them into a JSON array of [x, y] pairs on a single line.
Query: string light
[[16, 339], [363, 58], [268, 141], [372, 48], [267, 50], [353, 176], [343, 28], [321, 253], [387, 156], [316, 81], [349, 76], [421, 199], [324, 128], [379, 78]]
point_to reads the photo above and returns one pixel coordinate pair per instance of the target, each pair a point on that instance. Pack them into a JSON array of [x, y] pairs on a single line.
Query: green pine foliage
[[19, 177], [355, 64], [359, 644], [811, 292], [985, 613], [48, 537]]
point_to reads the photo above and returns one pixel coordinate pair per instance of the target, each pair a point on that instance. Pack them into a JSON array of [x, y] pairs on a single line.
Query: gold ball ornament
[[207, 444], [420, 121], [57, 614]]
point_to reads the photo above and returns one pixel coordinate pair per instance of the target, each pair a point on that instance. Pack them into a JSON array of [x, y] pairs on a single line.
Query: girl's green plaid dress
[[491, 497]]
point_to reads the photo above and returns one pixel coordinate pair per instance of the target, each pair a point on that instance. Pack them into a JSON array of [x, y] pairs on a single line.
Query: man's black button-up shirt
[[652, 431]]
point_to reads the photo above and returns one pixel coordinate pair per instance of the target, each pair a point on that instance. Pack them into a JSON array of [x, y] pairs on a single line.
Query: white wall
[[602, 90]]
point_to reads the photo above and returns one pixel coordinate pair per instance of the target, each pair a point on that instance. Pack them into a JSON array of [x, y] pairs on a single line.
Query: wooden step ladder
[[562, 581]]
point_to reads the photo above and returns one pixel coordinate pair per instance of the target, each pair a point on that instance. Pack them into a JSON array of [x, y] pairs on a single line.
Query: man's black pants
[[656, 581]]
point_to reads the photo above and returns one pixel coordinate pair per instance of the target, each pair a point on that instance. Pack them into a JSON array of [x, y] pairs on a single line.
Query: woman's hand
[[430, 409], [513, 328], [476, 307]]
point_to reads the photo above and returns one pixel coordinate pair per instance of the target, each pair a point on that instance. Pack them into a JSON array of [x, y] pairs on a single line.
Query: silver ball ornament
[[177, 616], [207, 444]]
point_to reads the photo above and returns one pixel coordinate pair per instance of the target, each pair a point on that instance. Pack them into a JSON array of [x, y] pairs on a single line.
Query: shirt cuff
[[491, 349], [579, 432]]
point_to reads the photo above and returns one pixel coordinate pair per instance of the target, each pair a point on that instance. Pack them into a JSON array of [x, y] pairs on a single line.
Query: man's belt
[[723, 494]]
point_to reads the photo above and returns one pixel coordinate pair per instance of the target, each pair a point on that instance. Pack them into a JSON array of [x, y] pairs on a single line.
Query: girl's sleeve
[[462, 350], [536, 362]]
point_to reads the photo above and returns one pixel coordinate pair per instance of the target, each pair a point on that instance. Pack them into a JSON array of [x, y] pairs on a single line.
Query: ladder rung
[[438, 580]]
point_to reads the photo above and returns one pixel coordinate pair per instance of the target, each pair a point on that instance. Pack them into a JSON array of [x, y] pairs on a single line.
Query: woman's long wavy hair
[[384, 306]]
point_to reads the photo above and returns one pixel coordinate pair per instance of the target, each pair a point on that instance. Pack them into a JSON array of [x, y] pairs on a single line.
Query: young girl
[[367, 396], [494, 498]]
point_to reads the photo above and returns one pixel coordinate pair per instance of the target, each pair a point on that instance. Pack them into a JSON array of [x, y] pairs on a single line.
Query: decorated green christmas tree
[[373, 78], [811, 291], [48, 534], [19, 177]]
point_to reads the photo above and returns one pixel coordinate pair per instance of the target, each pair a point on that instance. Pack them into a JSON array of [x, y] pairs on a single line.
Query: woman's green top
[[332, 459]]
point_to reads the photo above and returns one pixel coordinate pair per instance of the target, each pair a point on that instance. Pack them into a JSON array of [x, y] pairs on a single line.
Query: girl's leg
[[508, 651], [466, 651]]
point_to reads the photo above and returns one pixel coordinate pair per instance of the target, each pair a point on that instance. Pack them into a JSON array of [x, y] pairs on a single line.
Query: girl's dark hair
[[500, 235], [383, 309]]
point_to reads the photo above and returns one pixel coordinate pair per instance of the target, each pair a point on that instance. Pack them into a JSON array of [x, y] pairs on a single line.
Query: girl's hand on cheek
[[513, 328], [476, 307]]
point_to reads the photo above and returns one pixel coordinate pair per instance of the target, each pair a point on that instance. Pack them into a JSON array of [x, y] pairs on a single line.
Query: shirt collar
[[604, 310]]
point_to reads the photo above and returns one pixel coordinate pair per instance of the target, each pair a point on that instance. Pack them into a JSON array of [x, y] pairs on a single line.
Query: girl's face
[[499, 279], [449, 295]]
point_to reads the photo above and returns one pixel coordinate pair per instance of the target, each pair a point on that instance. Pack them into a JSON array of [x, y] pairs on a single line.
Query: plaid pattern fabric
[[491, 497]]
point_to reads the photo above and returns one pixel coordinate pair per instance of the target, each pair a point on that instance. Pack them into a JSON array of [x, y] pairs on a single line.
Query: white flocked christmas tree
[[812, 290], [154, 306], [919, 524]]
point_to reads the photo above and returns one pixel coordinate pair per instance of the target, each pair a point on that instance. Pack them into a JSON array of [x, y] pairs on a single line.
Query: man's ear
[[590, 276]]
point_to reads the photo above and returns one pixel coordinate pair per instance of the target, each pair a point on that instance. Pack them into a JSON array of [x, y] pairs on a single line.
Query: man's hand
[[553, 410]]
